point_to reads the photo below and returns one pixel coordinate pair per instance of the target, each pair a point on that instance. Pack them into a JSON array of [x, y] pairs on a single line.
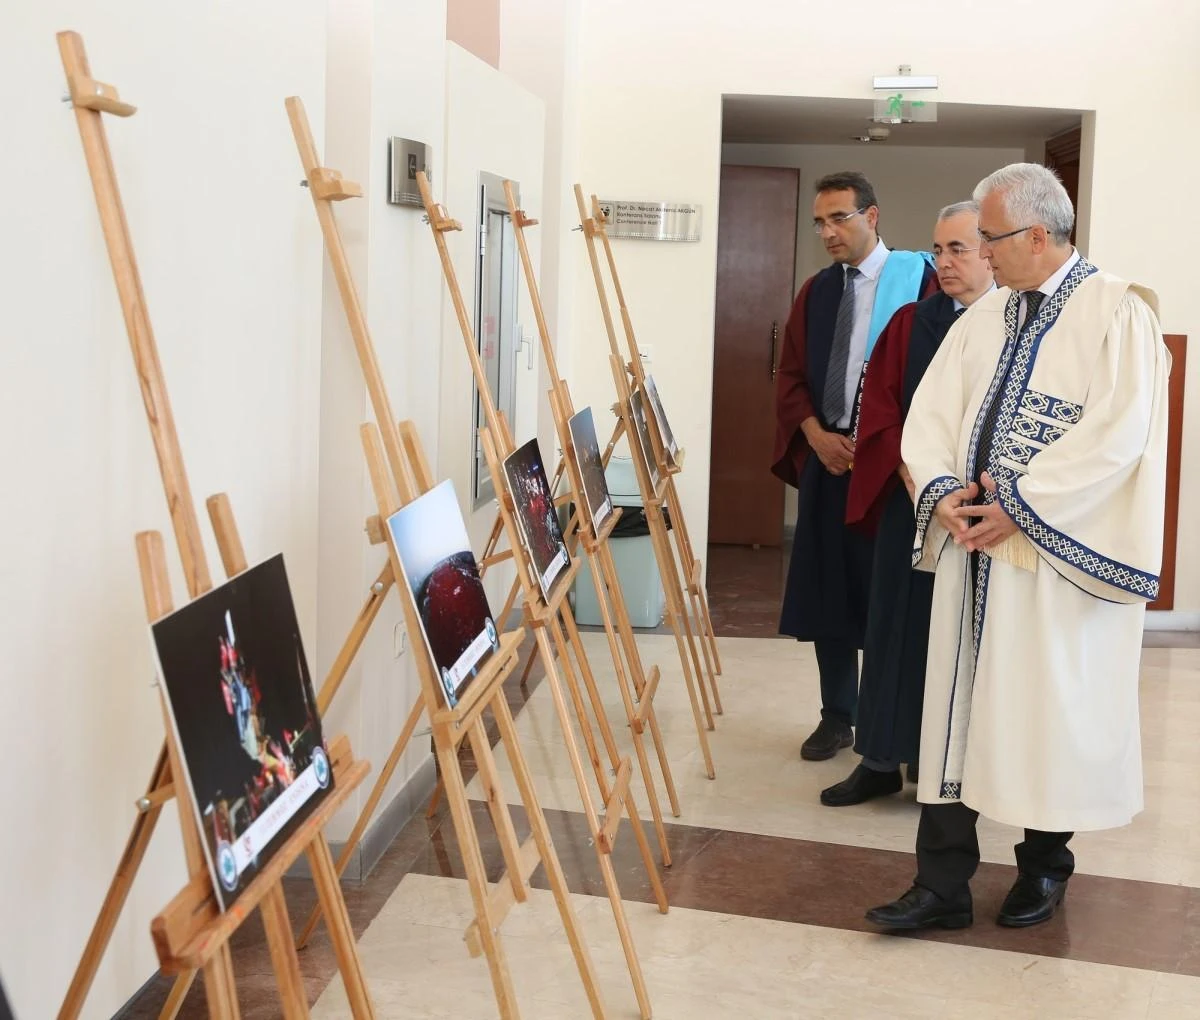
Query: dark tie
[[834, 404], [958, 314], [1033, 301]]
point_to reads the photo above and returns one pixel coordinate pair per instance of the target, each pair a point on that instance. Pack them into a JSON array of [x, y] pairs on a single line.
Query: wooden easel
[[191, 934], [656, 499], [638, 702], [690, 565], [400, 473], [549, 618]]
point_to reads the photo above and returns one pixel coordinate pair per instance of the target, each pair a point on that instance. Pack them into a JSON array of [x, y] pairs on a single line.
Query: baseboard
[[411, 798], [1172, 619]]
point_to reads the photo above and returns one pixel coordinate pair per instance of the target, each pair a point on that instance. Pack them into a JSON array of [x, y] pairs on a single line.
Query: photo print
[[670, 445], [587, 451], [536, 514], [241, 702], [643, 436], [435, 555]]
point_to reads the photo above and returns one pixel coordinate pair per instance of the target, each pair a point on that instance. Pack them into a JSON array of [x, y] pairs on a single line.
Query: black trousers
[[948, 851], [837, 663]]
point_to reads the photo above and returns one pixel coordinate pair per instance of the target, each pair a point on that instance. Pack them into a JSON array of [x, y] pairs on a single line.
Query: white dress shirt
[[864, 304]]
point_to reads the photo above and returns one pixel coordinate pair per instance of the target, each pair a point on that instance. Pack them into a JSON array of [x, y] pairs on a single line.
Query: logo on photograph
[[227, 869], [493, 637], [321, 767]]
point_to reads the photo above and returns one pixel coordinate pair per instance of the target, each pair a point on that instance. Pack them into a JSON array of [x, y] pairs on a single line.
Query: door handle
[[774, 348]]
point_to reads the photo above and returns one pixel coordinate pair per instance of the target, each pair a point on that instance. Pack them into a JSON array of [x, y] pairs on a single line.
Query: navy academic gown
[[829, 577], [892, 688]]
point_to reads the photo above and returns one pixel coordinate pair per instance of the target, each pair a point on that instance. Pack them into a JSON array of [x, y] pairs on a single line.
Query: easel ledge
[[191, 928]]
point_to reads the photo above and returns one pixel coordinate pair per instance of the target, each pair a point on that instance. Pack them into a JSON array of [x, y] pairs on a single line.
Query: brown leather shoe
[[826, 740]]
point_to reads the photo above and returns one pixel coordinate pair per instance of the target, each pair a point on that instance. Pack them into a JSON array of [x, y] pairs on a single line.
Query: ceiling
[[807, 120]]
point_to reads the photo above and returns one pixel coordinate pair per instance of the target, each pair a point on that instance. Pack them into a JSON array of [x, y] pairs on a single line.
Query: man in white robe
[[1037, 442]]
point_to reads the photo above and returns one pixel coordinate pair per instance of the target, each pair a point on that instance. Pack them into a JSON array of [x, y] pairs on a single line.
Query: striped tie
[[834, 404]]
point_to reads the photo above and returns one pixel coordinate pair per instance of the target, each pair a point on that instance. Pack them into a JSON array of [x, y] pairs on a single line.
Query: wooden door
[[1177, 345], [1062, 156], [756, 267]]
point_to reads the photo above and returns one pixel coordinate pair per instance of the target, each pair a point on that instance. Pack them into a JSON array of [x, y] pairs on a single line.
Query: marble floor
[[767, 888]]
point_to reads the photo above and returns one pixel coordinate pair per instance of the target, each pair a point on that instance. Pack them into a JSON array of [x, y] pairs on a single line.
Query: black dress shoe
[[861, 785], [1031, 901], [920, 908], [911, 773], [826, 740]]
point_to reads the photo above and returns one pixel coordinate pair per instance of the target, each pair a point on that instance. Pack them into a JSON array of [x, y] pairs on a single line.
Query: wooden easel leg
[[554, 872], [603, 859], [498, 809], [705, 647], [320, 862], [358, 633], [614, 755], [685, 660], [708, 629], [686, 620], [118, 892], [183, 984], [608, 569], [435, 799], [293, 999], [630, 712], [364, 817], [220, 987], [464, 827], [509, 603]]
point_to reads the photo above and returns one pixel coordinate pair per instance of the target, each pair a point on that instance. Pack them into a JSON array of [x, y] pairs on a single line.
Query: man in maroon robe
[[838, 315], [880, 503]]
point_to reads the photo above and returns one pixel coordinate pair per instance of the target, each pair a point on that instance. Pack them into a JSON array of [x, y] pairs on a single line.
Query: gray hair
[[969, 206], [1033, 195]]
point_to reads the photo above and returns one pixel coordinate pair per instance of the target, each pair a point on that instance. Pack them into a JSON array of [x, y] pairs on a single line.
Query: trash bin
[[633, 556]]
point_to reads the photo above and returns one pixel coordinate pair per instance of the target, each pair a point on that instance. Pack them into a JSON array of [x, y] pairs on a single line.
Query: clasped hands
[[833, 449], [993, 525]]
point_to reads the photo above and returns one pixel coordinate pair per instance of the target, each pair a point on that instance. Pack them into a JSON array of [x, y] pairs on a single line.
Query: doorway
[[774, 148]]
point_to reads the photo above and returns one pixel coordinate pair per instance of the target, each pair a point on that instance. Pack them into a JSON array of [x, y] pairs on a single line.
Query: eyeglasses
[[955, 251], [990, 239], [836, 220]]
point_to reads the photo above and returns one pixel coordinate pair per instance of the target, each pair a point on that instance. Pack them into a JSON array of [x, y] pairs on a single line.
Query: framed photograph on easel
[[440, 570], [582, 428], [670, 444], [537, 517], [242, 705]]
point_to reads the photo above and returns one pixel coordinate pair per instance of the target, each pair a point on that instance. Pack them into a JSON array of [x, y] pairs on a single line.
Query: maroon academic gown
[[828, 581], [892, 686]]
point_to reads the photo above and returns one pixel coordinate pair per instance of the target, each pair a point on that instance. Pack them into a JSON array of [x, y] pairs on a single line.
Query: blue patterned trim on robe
[[1051, 407], [1094, 564], [933, 494], [951, 787], [1017, 451], [1010, 384], [1037, 431]]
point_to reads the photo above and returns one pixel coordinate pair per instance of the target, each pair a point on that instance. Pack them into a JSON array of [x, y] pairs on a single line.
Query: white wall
[[650, 89], [492, 125], [385, 75], [231, 270]]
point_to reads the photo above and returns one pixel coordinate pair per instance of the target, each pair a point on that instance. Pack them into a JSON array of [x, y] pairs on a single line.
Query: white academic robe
[[1031, 696]]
